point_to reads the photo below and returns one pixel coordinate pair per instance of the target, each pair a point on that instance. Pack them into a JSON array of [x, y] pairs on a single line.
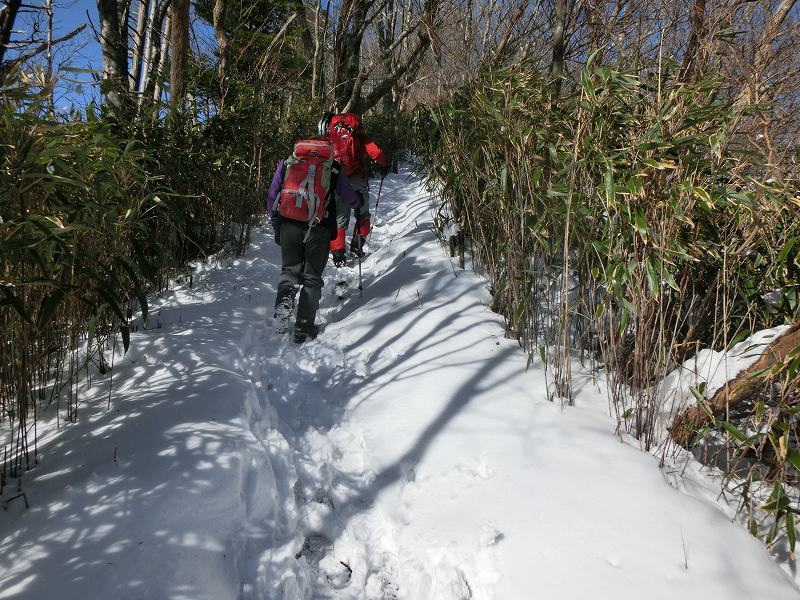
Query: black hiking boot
[[305, 331], [339, 258]]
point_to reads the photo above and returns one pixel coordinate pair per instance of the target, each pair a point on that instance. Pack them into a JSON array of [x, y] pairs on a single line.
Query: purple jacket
[[343, 189]]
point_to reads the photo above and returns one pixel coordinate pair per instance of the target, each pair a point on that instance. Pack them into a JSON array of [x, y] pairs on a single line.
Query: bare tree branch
[[380, 90], [18, 60]]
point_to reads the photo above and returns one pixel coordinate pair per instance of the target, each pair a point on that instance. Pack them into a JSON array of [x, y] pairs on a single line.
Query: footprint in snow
[[336, 572], [476, 470], [315, 548], [490, 536], [379, 585], [318, 552], [408, 471]]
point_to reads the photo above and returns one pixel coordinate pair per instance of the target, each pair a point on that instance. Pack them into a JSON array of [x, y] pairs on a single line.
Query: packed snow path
[[404, 454]]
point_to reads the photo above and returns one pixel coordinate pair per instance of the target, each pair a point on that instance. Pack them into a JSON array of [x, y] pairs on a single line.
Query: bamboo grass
[[628, 223]]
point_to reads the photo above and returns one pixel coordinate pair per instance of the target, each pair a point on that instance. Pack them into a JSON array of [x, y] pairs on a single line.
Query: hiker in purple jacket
[[304, 253]]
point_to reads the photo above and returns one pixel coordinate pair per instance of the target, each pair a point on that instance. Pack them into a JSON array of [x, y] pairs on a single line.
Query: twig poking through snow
[[419, 299], [685, 553]]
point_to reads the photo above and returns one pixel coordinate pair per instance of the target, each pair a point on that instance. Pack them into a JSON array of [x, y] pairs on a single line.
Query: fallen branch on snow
[[739, 388]]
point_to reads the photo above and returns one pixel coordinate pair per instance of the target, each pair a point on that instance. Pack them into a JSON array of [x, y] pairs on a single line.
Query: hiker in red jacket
[[351, 147]]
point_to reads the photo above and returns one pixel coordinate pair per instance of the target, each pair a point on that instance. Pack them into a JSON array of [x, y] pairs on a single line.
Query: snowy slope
[[404, 454]]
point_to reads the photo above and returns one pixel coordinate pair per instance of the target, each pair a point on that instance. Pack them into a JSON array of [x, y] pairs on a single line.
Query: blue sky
[[73, 13], [70, 14], [77, 88], [81, 52]]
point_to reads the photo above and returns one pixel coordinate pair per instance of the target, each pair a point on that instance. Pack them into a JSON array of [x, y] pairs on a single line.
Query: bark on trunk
[[161, 57], [218, 20], [114, 45], [324, 45], [559, 45], [315, 61], [347, 46], [386, 37], [48, 9], [7, 17], [156, 49], [222, 38], [412, 62], [138, 49], [180, 54], [692, 58], [349, 75], [145, 61]]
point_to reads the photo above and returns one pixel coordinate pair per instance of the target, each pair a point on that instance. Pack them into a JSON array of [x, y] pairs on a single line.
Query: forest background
[[625, 174]]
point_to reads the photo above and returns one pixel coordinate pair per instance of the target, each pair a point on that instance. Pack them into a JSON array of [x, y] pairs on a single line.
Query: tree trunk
[[493, 8], [48, 9], [410, 64], [143, 68], [156, 49], [161, 56], [469, 38], [138, 49], [505, 47], [114, 45], [7, 17], [180, 54], [305, 32], [316, 59], [349, 77], [323, 47], [755, 88], [347, 48], [386, 37], [218, 20], [222, 37], [692, 58], [559, 45]]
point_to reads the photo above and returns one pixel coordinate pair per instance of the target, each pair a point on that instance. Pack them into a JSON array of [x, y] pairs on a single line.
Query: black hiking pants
[[302, 263]]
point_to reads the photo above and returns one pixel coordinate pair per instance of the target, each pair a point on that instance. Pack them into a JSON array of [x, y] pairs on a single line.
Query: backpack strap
[[306, 190]]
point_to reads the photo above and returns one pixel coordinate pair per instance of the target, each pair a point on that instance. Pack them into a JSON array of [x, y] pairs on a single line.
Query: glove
[[384, 171], [339, 258], [362, 226], [276, 226]]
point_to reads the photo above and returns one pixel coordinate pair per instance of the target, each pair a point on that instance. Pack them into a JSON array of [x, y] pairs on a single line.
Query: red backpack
[[305, 188], [347, 148]]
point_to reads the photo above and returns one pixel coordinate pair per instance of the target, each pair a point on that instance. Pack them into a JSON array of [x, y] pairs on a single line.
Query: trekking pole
[[377, 202], [360, 289], [360, 253], [378, 199]]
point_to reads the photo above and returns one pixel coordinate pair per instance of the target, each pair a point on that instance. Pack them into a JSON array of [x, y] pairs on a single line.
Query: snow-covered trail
[[406, 453]]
